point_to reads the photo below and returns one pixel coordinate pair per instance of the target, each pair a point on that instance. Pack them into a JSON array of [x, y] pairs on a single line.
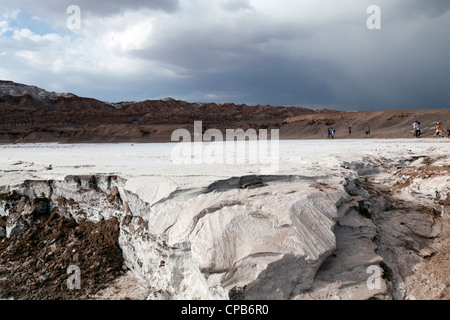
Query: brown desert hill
[[31, 114], [171, 111], [383, 124], [77, 119]]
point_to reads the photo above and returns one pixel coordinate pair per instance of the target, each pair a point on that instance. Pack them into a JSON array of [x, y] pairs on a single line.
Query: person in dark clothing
[[417, 127]]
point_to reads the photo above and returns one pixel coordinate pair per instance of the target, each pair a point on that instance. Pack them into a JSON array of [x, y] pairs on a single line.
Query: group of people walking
[[417, 129], [332, 132], [437, 129]]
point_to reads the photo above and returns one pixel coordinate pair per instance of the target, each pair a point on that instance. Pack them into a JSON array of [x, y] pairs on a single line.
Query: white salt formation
[[313, 230]]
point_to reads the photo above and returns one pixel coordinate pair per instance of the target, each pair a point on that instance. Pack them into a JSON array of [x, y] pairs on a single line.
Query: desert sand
[[334, 219]]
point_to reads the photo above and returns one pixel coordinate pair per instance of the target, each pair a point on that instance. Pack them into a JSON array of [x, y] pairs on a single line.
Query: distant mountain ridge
[[17, 90], [29, 113]]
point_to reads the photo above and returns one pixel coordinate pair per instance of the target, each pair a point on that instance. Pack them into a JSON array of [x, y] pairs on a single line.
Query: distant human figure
[[349, 131], [368, 131], [329, 133], [438, 129], [448, 131], [416, 126], [333, 131]]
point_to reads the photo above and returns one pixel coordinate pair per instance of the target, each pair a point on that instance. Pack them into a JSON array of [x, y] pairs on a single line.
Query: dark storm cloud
[[301, 52], [344, 64]]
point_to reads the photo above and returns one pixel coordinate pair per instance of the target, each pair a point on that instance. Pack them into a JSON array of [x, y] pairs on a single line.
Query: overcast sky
[[287, 52]]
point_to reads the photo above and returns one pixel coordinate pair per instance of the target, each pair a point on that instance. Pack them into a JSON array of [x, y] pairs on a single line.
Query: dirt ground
[[34, 263]]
